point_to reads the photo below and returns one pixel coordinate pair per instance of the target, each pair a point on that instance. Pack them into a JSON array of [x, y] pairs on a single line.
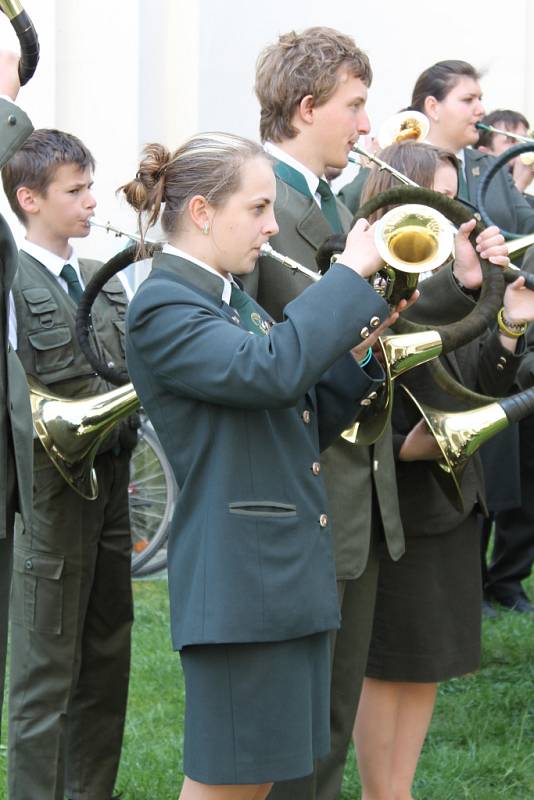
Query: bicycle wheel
[[152, 496]]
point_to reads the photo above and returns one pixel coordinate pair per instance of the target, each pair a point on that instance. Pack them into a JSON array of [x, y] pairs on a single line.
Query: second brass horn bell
[[400, 353], [459, 435], [411, 239], [71, 431]]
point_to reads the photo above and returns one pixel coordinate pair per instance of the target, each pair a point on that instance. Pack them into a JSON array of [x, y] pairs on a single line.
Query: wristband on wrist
[[367, 357], [511, 329]]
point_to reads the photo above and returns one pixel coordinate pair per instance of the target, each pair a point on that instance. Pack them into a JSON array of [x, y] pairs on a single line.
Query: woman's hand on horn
[[518, 303], [420, 445], [9, 74], [490, 245]]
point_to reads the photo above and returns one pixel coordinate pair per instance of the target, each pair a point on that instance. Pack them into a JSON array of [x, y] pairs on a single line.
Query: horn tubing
[[488, 176], [27, 36], [123, 259], [519, 405]]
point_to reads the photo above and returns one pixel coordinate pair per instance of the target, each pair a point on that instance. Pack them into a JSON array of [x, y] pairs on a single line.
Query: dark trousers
[[71, 621], [513, 552], [6, 564], [350, 647]]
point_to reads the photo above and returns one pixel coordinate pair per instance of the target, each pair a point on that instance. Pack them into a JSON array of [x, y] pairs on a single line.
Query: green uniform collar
[[190, 273]]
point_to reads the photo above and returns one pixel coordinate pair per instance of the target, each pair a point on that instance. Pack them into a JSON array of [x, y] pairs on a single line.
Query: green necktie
[[74, 287], [329, 207], [249, 315], [463, 191]]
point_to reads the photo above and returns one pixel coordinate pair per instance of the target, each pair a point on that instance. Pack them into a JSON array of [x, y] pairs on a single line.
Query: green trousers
[[349, 660], [71, 617]]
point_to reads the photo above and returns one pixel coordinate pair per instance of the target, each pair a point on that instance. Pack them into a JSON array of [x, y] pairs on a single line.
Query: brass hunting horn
[[400, 353], [27, 36], [460, 434]]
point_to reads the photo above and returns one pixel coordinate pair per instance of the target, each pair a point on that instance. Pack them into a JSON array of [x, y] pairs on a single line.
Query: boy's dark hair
[[36, 163], [503, 118], [438, 80]]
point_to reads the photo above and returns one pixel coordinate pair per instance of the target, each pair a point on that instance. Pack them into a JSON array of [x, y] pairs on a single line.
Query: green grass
[[480, 747]]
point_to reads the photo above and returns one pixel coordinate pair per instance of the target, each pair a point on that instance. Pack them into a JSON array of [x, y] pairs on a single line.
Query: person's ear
[[306, 108], [28, 200], [200, 213], [431, 108]]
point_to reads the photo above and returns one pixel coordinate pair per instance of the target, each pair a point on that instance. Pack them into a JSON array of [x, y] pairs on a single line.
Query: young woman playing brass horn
[[242, 407], [427, 617]]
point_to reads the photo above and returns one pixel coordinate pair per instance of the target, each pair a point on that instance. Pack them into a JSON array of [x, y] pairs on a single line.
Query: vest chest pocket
[[40, 302], [116, 295], [52, 348]]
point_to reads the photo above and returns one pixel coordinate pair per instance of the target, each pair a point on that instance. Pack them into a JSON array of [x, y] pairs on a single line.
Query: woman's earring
[[206, 228]]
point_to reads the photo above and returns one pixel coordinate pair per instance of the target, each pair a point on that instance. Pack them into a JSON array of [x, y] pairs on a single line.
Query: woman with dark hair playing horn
[[449, 94], [427, 616], [243, 407]]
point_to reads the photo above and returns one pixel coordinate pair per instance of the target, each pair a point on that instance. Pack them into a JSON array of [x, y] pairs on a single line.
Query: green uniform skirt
[[257, 712]]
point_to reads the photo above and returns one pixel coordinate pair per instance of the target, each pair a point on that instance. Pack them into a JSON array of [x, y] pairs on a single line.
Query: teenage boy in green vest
[[72, 604], [312, 88]]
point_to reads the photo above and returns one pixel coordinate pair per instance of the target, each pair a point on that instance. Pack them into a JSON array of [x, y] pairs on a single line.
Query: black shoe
[[516, 602], [488, 612]]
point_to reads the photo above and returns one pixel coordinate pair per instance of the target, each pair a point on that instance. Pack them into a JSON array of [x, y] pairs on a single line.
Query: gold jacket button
[[373, 396], [365, 402], [306, 417], [364, 333], [323, 520], [500, 367], [374, 322], [316, 468]]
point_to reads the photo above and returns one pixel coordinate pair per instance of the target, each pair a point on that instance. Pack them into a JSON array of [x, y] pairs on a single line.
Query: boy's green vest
[[46, 330]]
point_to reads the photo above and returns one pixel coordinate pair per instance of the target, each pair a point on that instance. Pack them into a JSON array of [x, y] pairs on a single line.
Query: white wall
[[119, 73]]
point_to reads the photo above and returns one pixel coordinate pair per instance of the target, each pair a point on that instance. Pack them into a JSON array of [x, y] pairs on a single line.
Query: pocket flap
[[115, 291], [262, 508], [39, 300], [49, 338], [39, 564], [121, 325]]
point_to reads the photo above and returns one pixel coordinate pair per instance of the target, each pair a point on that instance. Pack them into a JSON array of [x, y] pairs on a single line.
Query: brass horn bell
[[400, 352], [459, 435], [71, 431]]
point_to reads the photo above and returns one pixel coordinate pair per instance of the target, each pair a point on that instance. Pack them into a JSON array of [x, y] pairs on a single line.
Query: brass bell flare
[[400, 353], [406, 126], [459, 435], [71, 431]]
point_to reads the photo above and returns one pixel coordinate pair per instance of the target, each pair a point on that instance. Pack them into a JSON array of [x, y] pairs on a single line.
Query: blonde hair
[[208, 164], [302, 64]]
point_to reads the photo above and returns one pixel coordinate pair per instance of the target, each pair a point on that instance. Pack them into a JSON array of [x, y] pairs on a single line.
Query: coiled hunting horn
[[27, 36]]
